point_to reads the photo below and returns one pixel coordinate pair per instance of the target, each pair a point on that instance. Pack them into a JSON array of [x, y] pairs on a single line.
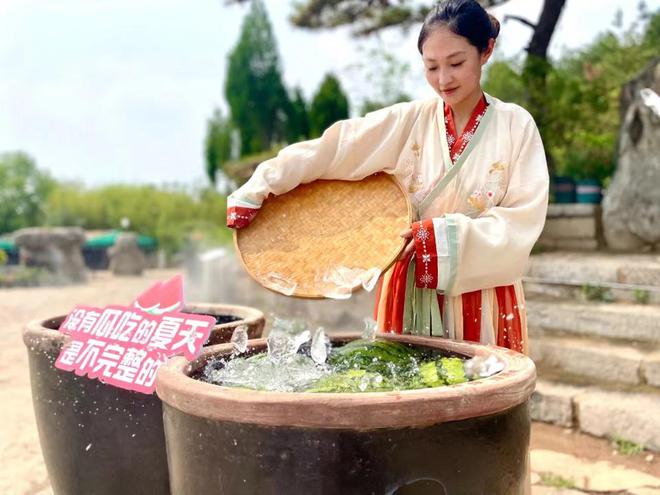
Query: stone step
[[633, 323], [600, 476], [591, 361], [605, 292], [634, 417], [581, 268]]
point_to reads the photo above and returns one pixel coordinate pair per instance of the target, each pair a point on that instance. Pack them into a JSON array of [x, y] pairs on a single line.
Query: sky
[[107, 91]]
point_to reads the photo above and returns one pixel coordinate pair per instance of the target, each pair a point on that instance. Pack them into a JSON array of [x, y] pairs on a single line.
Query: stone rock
[[600, 476], [651, 369], [632, 417], [572, 210], [630, 322], [589, 359], [568, 244], [631, 208], [57, 249], [553, 403], [570, 228], [126, 257]]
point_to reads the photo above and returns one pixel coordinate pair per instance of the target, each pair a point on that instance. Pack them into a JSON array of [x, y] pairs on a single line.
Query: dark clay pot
[[252, 318], [95, 439], [102, 440], [466, 439]]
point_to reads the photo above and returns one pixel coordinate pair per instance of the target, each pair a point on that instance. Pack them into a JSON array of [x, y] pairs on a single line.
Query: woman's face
[[452, 65]]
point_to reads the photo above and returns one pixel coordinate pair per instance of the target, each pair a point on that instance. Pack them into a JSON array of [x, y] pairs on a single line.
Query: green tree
[[217, 144], [298, 122], [171, 215], [328, 106], [383, 74], [503, 79], [23, 192], [254, 89], [582, 91]]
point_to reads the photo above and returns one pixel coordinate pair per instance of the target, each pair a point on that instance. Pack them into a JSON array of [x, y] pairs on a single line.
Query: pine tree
[[217, 144], [258, 100], [298, 125], [328, 106]]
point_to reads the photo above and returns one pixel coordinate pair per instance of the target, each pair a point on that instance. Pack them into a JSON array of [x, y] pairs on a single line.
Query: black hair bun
[[494, 26]]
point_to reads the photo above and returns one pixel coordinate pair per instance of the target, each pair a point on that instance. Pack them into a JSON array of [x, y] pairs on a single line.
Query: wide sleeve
[[456, 253], [349, 150]]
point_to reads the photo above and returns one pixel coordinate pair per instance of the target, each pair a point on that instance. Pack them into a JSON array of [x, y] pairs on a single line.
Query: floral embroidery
[[496, 167], [426, 272], [415, 181], [457, 144], [240, 217], [477, 201], [423, 234], [484, 198], [426, 280], [416, 149]]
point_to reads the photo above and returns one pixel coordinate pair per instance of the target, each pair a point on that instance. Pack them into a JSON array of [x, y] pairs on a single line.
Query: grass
[[556, 481], [641, 296], [627, 447], [596, 293]]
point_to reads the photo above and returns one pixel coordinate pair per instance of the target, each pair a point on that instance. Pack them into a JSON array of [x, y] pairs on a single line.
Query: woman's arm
[[348, 150]]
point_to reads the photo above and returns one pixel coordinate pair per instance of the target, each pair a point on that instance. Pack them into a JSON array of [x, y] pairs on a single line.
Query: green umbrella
[[7, 245], [109, 239]]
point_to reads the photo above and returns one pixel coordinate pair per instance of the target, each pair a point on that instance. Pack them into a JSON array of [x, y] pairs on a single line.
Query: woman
[[475, 170]]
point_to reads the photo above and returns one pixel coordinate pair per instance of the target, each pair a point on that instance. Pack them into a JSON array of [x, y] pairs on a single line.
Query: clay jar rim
[[249, 316], [370, 410], [38, 335]]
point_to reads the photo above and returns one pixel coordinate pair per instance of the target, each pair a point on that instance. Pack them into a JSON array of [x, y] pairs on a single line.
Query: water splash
[[280, 283], [299, 360], [482, 367], [285, 339], [340, 281], [370, 329], [320, 347], [370, 279], [239, 340]]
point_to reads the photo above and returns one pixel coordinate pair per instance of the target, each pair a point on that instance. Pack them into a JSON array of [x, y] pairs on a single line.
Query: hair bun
[[494, 26]]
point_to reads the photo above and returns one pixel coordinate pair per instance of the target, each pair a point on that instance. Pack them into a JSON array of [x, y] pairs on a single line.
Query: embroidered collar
[[457, 143]]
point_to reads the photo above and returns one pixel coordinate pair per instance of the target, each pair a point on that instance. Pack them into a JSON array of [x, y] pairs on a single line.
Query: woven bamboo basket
[[327, 238]]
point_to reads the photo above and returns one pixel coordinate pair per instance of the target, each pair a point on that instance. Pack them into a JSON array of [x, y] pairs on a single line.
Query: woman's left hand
[[410, 246]]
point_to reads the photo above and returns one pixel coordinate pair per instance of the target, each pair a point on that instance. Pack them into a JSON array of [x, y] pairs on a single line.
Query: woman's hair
[[465, 18]]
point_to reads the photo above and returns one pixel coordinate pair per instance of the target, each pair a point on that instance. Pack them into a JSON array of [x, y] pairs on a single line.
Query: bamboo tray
[[327, 238]]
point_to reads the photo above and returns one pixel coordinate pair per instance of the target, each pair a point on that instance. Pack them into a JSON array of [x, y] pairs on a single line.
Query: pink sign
[[124, 346]]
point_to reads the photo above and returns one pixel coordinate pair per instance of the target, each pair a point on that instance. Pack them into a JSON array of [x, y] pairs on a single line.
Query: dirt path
[[22, 471]]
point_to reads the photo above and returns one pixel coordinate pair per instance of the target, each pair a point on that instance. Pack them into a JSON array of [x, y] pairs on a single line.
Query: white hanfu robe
[[480, 212]]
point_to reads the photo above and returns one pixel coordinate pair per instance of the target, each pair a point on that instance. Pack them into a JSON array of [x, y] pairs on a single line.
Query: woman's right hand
[[410, 246]]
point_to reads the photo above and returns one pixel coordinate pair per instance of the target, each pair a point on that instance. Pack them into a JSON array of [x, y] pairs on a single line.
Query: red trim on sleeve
[[426, 255], [239, 217]]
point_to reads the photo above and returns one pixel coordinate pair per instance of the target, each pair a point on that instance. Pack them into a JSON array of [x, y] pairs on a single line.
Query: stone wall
[[572, 227]]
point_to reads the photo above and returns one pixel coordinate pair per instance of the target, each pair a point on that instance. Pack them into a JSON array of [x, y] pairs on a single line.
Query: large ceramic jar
[[101, 440], [464, 439]]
